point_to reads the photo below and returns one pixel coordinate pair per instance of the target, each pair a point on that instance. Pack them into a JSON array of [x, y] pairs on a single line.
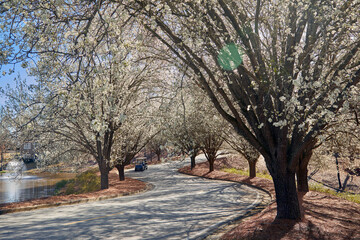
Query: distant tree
[[5, 138], [185, 138], [183, 122], [157, 145], [134, 134], [16, 106], [212, 141], [341, 139], [343, 133], [191, 124], [240, 145]]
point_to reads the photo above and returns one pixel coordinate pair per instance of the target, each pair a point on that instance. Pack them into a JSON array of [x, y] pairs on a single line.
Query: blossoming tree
[[278, 71], [90, 78]]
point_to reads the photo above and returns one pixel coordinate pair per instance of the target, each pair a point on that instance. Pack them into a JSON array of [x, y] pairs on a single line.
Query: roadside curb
[[227, 180], [148, 187], [218, 229]]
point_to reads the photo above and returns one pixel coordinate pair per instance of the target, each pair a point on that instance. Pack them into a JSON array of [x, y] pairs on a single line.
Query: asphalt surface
[[178, 207]]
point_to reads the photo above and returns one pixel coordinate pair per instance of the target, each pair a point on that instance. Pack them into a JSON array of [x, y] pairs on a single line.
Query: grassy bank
[[85, 182], [246, 173], [317, 187]]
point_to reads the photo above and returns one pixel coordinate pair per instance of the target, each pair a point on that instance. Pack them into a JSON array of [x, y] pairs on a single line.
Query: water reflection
[[29, 186]]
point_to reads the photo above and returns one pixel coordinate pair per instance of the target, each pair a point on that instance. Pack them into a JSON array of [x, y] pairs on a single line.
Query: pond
[[20, 186]]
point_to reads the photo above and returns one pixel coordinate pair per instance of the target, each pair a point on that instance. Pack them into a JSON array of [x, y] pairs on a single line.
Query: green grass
[[83, 183], [246, 173], [312, 186], [3, 171], [317, 187]]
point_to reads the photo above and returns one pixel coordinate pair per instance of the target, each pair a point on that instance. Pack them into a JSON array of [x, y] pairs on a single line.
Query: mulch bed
[[116, 188], [325, 216]]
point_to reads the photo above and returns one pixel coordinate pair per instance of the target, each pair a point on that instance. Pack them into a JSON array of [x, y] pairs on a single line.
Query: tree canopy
[[278, 71]]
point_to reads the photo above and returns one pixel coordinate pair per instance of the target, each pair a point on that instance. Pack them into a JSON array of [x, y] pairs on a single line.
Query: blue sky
[[9, 79]]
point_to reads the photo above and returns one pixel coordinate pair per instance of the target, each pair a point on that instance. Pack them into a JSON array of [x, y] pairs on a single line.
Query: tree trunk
[[211, 165], [104, 176], [252, 169], [336, 155], [158, 153], [102, 163], [121, 169], [302, 181], [287, 201], [104, 173], [345, 182], [302, 171], [192, 157], [2, 159]]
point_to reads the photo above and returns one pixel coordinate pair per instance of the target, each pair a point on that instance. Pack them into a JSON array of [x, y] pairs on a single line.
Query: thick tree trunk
[[288, 206], [104, 173], [302, 172], [192, 157], [102, 155], [252, 169], [302, 181], [121, 169], [104, 176]]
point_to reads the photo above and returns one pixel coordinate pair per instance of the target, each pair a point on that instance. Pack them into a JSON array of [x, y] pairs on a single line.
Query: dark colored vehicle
[[140, 164]]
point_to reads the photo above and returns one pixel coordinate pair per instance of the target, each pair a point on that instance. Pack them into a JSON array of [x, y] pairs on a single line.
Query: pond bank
[[116, 189]]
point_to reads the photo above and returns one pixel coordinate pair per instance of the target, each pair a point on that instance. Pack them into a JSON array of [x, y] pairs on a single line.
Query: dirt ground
[[116, 188], [325, 216]]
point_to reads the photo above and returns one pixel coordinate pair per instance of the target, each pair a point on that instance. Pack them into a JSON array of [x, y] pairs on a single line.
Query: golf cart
[[140, 164]]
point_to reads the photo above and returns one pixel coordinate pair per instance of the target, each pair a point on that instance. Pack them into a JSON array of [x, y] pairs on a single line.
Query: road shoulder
[[326, 216]]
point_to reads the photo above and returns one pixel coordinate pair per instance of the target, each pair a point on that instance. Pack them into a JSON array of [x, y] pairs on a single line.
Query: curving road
[[179, 207]]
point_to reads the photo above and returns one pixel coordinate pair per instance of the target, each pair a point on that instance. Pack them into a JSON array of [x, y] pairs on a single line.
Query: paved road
[[179, 207]]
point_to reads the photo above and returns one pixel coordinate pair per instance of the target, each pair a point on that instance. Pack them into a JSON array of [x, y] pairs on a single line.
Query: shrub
[[70, 188], [59, 185]]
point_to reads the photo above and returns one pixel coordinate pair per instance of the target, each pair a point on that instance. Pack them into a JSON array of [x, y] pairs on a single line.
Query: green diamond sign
[[229, 57]]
